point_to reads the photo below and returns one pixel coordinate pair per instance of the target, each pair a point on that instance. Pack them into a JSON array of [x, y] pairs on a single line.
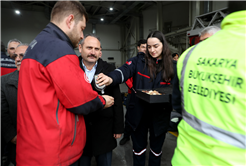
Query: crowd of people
[[61, 109]]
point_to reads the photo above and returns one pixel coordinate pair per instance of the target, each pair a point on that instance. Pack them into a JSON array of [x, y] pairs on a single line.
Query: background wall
[[219, 5], [28, 25], [172, 14], [149, 20], [23, 27], [111, 42]]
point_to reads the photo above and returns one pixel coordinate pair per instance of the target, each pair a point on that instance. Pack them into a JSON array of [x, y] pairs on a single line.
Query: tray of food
[[158, 95]]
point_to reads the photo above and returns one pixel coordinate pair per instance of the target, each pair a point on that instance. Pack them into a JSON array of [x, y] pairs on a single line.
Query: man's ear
[[70, 21], [80, 48]]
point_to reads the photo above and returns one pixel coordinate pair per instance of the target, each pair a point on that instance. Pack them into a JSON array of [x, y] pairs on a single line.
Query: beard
[[74, 39]]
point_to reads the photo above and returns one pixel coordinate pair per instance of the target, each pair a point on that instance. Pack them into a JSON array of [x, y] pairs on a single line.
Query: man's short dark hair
[[174, 54], [91, 35], [234, 6], [141, 41], [64, 8], [3, 49]]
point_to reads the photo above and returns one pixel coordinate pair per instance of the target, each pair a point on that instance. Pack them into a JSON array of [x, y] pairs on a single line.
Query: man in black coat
[[9, 84], [102, 127]]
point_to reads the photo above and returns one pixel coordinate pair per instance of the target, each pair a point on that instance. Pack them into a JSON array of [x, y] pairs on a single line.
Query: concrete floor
[[122, 154]]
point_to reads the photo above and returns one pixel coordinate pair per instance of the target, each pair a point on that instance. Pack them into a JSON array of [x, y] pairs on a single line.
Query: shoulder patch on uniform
[[130, 62]]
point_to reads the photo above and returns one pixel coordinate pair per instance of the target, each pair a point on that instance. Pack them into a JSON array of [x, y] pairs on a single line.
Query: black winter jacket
[[9, 84], [176, 94], [101, 125], [157, 114]]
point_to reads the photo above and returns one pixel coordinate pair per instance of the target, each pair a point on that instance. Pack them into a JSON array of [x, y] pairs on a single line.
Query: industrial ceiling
[[97, 10]]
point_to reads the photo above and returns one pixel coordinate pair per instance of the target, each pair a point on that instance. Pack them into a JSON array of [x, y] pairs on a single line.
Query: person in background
[[141, 46], [104, 127], [9, 84], [54, 93], [100, 54], [7, 64], [176, 95], [208, 31], [212, 83], [175, 56], [151, 70], [12, 44]]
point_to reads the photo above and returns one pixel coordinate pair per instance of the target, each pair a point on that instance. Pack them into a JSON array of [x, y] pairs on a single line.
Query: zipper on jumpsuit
[[76, 119], [57, 120], [75, 127]]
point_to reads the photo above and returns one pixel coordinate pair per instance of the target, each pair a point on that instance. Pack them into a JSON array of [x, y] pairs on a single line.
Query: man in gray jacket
[[9, 84]]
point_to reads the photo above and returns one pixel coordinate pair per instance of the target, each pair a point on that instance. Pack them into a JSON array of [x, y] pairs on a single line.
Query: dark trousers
[[128, 128], [12, 153], [139, 140], [4, 153], [102, 160], [2, 145]]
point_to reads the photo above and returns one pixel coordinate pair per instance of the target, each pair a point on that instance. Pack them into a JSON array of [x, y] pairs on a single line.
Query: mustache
[[92, 55]]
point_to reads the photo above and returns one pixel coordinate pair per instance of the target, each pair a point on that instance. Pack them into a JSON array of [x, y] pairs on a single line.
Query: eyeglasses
[[20, 55]]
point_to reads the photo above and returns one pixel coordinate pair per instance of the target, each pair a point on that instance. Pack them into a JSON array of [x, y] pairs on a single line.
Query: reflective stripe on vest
[[217, 133]]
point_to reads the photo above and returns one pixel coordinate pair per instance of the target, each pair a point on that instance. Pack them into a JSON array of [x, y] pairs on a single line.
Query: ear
[[80, 48], [70, 21], [138, 48]]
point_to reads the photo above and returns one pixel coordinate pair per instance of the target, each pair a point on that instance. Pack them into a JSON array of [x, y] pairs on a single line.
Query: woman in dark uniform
[[150, 71]]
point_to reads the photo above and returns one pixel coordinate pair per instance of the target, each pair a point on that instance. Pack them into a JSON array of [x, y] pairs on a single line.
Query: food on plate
[[151, 92]]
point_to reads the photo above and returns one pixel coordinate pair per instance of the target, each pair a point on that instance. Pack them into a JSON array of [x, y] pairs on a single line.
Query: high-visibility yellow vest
[[212, 78]]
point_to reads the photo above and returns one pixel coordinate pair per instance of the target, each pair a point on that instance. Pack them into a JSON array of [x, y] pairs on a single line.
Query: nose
[[93, 51], [18, 58], [151, 49], [82, 35]]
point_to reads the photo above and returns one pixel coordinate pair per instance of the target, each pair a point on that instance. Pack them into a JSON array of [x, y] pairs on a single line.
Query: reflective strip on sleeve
[[217, 133], [122, 76]]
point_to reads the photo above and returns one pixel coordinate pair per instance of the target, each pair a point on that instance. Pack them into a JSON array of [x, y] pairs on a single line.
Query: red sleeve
[[129, 83], [72, 86]]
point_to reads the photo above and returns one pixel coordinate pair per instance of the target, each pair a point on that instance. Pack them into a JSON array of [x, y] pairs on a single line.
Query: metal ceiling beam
[[125, 11], [44, 3], [105, 4], [30, 3], [96, 10], [166, 3], [114, 13]]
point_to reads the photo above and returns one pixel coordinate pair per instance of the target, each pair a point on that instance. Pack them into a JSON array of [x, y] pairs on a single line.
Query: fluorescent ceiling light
[[102, 19], [111, 9], [17, 11]]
